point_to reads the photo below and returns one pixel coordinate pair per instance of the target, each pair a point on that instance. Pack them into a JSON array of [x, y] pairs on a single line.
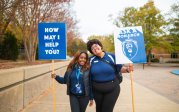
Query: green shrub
[[9, 47], [172, 61], [155, 60]]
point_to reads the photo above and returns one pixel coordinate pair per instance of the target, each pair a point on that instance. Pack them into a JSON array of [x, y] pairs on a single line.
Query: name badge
[[78, 88]]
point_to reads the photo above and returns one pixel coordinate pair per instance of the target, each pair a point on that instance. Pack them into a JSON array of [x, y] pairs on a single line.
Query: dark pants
[[106, 95], [78, 104]]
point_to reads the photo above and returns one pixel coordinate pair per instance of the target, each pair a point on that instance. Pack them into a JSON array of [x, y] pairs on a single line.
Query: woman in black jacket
[[78, 82]]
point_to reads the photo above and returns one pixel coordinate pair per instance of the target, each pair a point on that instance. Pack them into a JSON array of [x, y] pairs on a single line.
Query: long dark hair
[[74, 61]]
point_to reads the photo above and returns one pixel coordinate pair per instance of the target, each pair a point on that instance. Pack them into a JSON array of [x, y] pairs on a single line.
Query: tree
[[76, 44], [9, 47], [174, 23], [8, 9], [31, 12], [127, 18], [149, 17], [107, 41]]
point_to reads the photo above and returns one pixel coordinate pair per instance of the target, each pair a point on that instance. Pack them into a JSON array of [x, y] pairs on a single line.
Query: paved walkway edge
[[145, 100]]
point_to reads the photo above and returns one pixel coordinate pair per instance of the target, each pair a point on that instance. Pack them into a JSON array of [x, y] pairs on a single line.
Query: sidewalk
[[145, 100], [165, 64]]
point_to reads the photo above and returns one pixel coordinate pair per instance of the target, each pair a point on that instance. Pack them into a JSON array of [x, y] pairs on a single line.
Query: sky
[[93, 15]]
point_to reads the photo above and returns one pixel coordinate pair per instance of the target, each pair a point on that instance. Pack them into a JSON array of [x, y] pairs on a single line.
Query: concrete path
[[146, 99]]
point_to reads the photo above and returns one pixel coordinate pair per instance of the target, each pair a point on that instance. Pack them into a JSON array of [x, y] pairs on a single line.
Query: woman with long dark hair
[[78, 82]]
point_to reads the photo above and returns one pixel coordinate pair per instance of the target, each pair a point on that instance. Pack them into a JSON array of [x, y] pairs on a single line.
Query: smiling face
[[82, 59], [96, 49]]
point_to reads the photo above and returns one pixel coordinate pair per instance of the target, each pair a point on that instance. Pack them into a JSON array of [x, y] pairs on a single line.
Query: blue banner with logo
[[129, 45], [52, 41]]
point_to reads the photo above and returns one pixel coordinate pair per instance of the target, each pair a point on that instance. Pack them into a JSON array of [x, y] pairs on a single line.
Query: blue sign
[[52, 41], [129, 45]]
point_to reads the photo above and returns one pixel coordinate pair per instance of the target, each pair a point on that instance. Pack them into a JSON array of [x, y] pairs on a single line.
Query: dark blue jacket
[[86, 81], [101, 71]]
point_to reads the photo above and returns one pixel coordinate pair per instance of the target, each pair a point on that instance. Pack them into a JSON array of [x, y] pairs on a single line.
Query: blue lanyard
[[78, 73]]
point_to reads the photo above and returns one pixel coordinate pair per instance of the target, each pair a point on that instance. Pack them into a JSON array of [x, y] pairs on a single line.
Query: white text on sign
[[51, 29], [52, 51]]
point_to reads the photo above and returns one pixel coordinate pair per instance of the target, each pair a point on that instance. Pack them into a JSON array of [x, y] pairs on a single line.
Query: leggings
[[106, 95], [78, 104]]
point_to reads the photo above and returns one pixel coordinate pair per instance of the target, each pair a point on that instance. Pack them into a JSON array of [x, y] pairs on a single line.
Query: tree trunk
[[149, 57]]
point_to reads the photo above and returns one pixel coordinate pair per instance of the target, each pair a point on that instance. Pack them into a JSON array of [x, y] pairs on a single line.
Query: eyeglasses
[[94, 46]]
